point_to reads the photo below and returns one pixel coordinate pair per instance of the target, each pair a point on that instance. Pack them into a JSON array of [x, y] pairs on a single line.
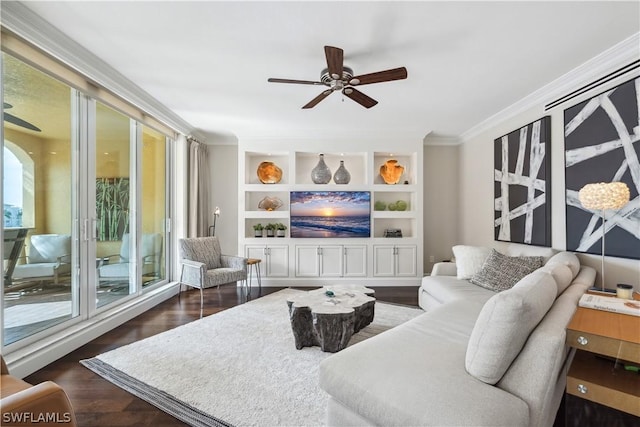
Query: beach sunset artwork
[[330, 214]]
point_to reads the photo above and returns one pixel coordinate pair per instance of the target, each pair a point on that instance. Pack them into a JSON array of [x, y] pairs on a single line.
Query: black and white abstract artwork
[[601, 145], [522, 185]]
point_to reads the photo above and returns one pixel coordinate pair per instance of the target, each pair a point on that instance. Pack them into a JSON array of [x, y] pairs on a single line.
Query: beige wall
[[441, 200], [476, 190], [52, 180], [223, 163]]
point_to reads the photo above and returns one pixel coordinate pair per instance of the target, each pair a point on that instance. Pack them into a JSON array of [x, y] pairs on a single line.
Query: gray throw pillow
[[500, 272]]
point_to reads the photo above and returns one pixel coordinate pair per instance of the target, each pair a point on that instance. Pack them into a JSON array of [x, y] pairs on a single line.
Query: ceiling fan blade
[[335, 58], [317, 99], [19, 122], [359, 97], [379, 77], [300, 82]]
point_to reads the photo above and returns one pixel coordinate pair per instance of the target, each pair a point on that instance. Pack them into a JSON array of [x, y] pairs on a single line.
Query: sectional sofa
[[477, 357]]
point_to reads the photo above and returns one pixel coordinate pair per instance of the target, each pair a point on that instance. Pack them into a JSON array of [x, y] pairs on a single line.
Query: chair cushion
[[151, 245], [221, 276], [504, 324], [41, 269], [202, 249], [469, 259], [48, 247], [500, 272]]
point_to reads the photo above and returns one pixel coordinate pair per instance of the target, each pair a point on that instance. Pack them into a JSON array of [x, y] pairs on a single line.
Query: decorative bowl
[[269, 173], [270, 203]]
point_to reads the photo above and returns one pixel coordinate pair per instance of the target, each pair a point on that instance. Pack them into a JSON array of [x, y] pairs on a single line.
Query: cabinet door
[[355, 261], [406, 260], [258, 252], [307, 264], [384, 260], [331, 261], [278, 261]]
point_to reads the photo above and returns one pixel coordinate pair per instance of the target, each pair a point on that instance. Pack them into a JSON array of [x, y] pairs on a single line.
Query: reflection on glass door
[[40, 252], [153, 206], [115, 267]]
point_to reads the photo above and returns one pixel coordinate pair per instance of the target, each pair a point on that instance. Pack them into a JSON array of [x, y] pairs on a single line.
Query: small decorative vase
[[321, 174], [342, 175], [391, 171]]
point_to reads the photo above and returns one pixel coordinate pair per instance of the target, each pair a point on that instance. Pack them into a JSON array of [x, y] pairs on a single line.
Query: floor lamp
[[212, 228], [602, 196]]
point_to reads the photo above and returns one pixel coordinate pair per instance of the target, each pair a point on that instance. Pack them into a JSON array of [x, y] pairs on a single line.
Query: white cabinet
[[394, 260], [275, 259], [331, 261], [355, 261]]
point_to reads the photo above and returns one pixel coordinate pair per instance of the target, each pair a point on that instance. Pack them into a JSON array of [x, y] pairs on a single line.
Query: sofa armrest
[[45, 401], [231, 261], [445, 268]]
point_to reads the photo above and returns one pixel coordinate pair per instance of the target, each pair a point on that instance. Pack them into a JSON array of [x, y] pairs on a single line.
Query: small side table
[[254, 264], [605, 342]]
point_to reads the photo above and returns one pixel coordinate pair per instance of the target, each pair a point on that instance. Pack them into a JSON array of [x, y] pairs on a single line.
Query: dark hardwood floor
[[97, 402]]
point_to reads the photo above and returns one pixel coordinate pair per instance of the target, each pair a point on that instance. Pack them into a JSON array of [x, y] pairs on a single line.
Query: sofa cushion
[[566, 258], [500, 272], [561, 274], [469, 259], [504, 324], [517, 249], [429, 384], [448, 288]]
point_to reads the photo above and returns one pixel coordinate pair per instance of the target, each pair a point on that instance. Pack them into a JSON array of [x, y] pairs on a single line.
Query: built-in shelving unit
[[374, 260]]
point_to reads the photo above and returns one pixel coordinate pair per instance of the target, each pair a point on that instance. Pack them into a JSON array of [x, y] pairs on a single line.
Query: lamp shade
[[604, 195]]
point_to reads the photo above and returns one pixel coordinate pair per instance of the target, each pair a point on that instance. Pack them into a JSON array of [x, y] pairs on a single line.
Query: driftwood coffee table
[[330, 321]]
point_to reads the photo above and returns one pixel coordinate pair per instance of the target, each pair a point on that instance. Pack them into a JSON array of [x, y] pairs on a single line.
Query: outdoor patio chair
[[203, 265], [49, 257], [114, 269]]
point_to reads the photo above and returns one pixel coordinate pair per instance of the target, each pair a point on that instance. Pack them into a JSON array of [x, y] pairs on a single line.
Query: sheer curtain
[[198, 198]]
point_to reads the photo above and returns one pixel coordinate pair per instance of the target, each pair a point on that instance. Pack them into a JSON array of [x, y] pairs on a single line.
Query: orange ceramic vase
[[391, 171]]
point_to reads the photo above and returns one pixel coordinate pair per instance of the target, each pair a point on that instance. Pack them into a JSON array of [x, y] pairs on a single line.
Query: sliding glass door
[[115, 147], [40, 289], [85, 200]]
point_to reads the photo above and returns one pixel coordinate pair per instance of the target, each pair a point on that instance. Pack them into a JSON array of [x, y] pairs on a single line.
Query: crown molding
[[620, 54], [442, 140], [26, 24]]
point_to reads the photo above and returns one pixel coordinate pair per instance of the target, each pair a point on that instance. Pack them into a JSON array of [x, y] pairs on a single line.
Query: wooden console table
[[605, 342]]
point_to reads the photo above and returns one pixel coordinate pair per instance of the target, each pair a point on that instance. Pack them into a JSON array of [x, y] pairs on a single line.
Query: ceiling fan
[[338, 77], [17, 120]]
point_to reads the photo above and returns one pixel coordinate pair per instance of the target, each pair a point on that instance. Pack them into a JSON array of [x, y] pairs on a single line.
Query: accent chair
[[49, 257], [203, 265]]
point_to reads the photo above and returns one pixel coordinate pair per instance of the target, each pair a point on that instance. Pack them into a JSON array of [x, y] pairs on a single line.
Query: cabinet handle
[[582, 388], [582, 340]]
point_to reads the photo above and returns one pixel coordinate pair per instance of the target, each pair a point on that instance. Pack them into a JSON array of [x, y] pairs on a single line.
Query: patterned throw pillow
[[500, 272]]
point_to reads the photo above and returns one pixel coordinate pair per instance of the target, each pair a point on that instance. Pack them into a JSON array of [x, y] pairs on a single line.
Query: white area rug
[[238, 367]]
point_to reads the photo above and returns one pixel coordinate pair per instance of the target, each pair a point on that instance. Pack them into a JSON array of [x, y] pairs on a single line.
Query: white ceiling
[[209, 61]]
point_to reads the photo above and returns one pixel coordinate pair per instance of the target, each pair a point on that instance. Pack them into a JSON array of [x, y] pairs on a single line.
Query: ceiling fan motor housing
[[336, 83]]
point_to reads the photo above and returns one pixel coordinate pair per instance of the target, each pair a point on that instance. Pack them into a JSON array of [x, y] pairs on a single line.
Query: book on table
[[612, 304]]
